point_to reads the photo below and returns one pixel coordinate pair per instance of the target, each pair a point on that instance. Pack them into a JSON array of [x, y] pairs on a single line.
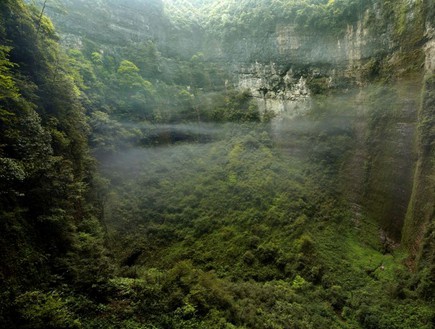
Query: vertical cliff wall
[[382, 64], [419, 229]]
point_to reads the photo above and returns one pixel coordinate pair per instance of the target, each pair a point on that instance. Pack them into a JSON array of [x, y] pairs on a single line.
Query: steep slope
[[373, 59], [115, 25], [50, 236]]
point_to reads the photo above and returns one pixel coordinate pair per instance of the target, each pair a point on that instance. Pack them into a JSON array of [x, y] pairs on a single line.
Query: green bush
[[38, 309]]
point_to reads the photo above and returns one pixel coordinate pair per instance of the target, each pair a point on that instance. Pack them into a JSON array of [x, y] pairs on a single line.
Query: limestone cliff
[[111, 25], [389, 48]]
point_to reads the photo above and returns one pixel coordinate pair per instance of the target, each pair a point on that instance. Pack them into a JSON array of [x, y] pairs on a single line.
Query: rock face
[[277, 69], [109, 21], [276, 89], [419, 228], [289, 68], [278, 66], [113, 24], [429, 49]]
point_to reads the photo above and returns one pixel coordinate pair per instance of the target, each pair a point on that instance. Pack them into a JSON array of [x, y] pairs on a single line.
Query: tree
[[8, 88], [135, 96]]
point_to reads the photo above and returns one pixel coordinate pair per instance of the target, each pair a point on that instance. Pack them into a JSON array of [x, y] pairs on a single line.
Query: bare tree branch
[[40, 17]]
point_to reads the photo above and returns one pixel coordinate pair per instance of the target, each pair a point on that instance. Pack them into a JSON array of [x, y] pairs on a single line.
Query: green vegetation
[[246, 16], [139, 189], [45, 171]]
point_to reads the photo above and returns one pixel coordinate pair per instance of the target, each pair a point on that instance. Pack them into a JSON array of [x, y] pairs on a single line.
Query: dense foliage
[[244, 17], [233, 234], [48, 226], [138, 189]]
